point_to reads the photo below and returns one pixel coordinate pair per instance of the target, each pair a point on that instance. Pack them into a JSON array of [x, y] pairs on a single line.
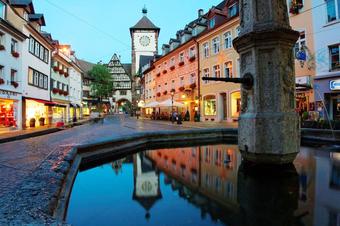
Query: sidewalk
[[34, 132]]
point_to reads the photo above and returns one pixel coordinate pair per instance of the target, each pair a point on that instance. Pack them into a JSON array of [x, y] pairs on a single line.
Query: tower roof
[[145, 23]]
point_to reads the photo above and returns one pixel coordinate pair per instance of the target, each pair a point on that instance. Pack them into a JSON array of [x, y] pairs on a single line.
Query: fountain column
[[269, 126]]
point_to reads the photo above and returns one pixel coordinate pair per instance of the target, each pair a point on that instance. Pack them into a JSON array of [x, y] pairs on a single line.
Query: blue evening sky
[[97, 29]]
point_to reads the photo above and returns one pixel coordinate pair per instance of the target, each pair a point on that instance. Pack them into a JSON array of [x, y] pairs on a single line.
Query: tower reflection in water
[[214, 179]]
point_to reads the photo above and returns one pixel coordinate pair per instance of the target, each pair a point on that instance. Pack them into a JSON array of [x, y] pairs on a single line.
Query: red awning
[[46, 102]]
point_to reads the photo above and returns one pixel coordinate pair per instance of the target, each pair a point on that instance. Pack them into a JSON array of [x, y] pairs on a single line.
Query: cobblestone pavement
[[20, 158]]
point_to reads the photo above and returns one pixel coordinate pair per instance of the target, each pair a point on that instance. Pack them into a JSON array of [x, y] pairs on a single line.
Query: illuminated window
[[209, 104], [228, 69]]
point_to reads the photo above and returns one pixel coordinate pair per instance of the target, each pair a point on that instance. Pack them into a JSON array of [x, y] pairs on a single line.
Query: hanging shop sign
[[334, 84]]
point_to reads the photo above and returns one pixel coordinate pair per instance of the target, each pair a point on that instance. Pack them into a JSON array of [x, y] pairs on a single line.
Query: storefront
[[74, 112], [209, 106], [59, 113], [304, 94], [37, 112], [327, 97], [235, 100], [10, 105]]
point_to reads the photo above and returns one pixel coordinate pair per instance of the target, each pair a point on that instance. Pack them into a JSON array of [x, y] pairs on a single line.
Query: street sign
[[334, 84]]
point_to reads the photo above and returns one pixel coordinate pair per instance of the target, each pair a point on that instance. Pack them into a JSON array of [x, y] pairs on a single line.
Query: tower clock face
[[144, 40]]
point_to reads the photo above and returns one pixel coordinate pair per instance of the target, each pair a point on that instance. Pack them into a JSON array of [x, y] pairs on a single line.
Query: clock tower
[[144, 37]]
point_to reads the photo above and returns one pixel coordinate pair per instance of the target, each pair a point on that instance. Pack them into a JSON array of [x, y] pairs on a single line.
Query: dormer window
[[233, 10], [183, 39], [2, 10], [26, 16], [212, 22], [194, 32]]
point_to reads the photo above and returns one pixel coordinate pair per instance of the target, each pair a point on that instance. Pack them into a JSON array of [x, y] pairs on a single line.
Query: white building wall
[[29, 60], [325, 34], [9, 62]]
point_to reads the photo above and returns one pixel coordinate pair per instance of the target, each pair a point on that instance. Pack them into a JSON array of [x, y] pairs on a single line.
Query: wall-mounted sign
[[334, 84], [8, 93]]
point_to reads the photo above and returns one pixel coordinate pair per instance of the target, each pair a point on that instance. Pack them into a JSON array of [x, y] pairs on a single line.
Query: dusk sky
[[96, 31]]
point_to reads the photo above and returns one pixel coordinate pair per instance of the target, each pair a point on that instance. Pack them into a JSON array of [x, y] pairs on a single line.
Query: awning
[[169, 103], [152, 104], [46, 102]]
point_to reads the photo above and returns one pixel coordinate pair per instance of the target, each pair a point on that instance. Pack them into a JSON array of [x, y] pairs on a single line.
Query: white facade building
[[76, 93], [11, 45], [326, 27]]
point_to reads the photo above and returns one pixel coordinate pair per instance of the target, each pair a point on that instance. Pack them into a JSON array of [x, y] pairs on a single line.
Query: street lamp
[[172, 93]]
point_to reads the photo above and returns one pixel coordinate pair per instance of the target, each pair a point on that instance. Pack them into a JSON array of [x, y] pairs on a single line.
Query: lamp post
[[172, 93]]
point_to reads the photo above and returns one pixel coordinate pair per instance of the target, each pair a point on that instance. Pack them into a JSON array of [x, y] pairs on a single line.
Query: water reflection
[[209, 185]]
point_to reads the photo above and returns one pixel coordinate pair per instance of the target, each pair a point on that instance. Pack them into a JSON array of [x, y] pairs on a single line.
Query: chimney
[[200, 12]]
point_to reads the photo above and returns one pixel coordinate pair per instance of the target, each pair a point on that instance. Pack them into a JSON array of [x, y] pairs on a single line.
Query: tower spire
[[145, 11]]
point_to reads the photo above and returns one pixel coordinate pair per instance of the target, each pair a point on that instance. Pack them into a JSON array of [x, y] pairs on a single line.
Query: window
[[216, 45], [123, 92], [209, 105], [37, 79], [13, 75], [172, 61], [181, 57], [237, 31], [194, 32], [38, 50], [26, 16], [216, 71], [192, 78], [233, 10], [206, 49], [2, 10], [227, 40], [238, 66], [173, 84], [192, 52], [206, 73], [301, 42], [228, 69], [334, 57], [181, 81], [2, 75], [14, 46], [333, 7], [212, 23]]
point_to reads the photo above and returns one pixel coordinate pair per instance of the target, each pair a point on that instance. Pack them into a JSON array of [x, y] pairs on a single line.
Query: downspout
[[198, 79]]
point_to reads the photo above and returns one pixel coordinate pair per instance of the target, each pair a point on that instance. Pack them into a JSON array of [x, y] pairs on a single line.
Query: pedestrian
[[179, 119]]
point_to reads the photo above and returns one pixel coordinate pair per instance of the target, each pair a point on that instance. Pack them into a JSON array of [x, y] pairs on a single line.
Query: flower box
[[181, 88], [61, 92], [181, 63], [66, 74], [192, 58], [158, 74], [14, 84], [55, 69], [165, 71], [55, 90], [158, 94], [172, 67], [61, 72], [2, 47], [65, 93], [15, 54], [2, 81], [193, 85], [165, 92], [295, 6], [172, 90]]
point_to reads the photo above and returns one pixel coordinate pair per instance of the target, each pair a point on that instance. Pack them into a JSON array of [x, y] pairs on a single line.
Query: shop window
[[333, 7], [227, 40], [209, 105], [228, 69], [206, 49], [235, 104], [216, 45], [7, 116], [216, 71], [334, 57], [14, 46]]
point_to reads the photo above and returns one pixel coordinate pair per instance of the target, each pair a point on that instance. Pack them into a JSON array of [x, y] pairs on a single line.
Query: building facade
[[122, 86], [220, 100], [304, 53], [326, 29], [11, 48], [87, 97]]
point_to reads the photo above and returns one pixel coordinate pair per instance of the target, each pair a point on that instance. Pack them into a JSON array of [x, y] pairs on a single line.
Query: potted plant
[[181, 88], [61, 92], [42, 121], [173, 90], [32, 122], [61, 71], [66, 74], [158, 94], [181, 63], [15, 54], [65, 93], [165, 71], [192, 58], [158, 74], [193, 85], [14, 84], [55, 69], [2, 47], [172, 67], [55, 90], [165, 92], [2, 81]]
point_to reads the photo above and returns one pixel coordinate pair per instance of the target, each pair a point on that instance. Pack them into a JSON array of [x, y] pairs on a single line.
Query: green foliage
[[304, 115], [101, 85]]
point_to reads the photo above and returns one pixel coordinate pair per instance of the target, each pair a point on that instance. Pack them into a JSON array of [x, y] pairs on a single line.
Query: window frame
[[206, 49], [216, 43], [330, 57], [228, 37], [3, 13], [39, 51], [36, 76]]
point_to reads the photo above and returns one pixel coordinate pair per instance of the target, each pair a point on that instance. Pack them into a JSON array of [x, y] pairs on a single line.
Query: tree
[[101, 85]]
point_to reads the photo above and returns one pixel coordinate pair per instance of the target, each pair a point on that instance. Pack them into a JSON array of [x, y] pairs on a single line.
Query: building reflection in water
[[212, 178]]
